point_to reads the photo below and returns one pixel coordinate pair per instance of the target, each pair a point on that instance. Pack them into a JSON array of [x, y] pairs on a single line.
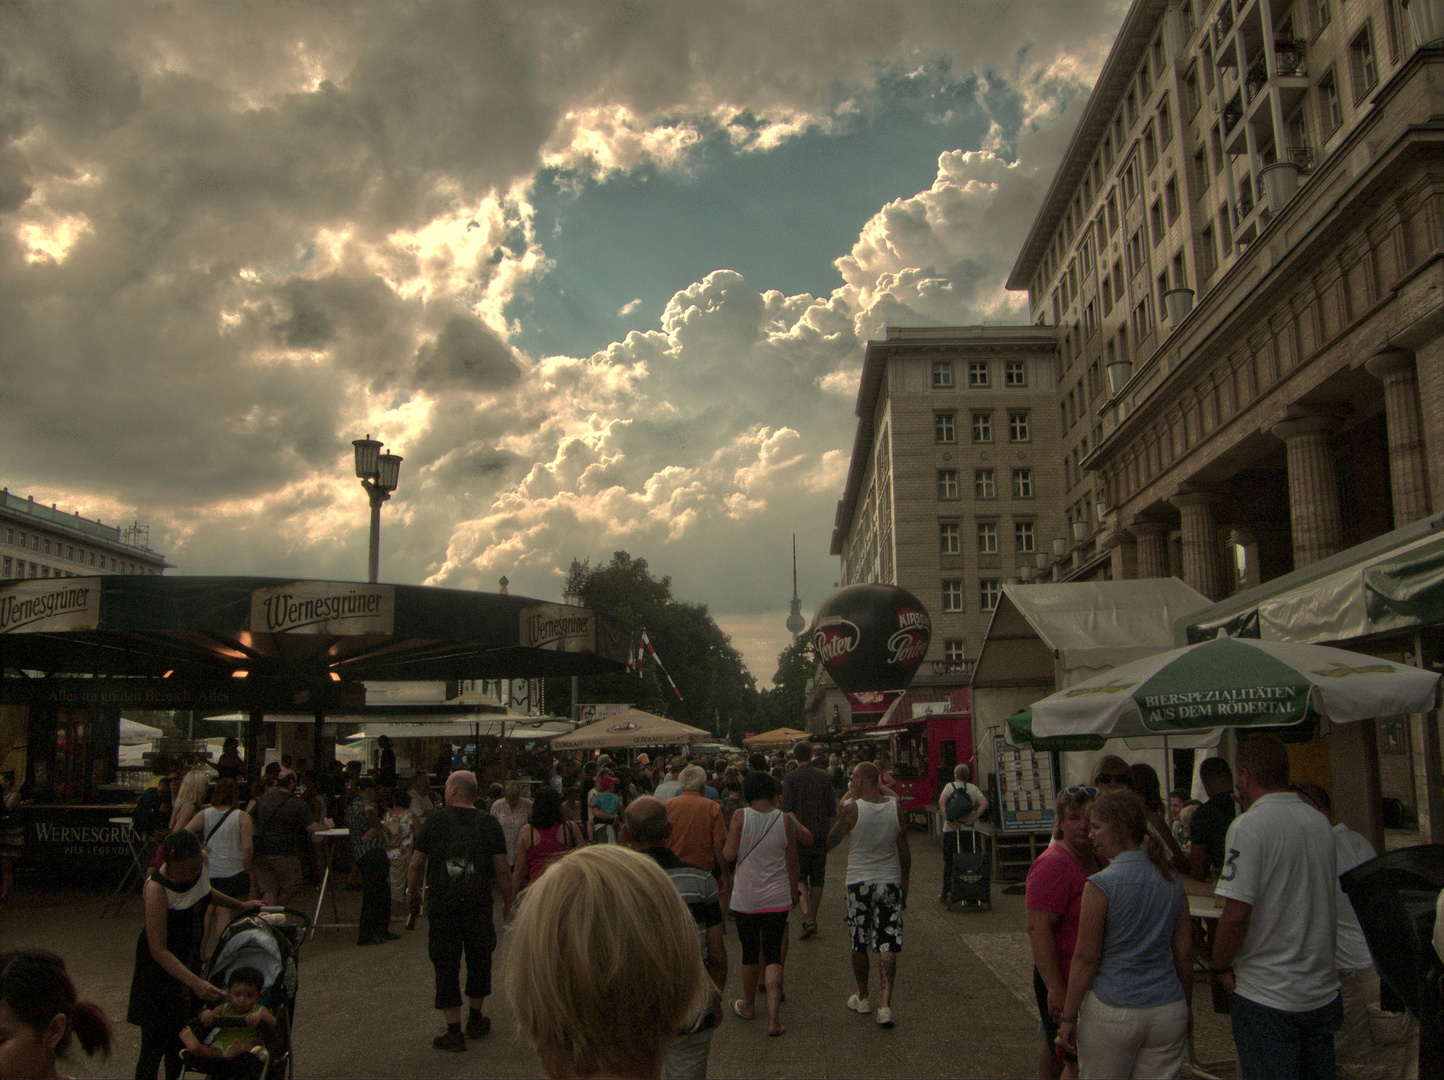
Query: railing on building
[[1257, 77], [1289, 56], [1302, 156], [1244, 207], [1222, 25], [1232, 114]]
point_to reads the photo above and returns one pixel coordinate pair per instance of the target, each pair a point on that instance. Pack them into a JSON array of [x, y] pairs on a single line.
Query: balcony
[[1256, 79], [1244, 207], [1302, 156], [952, 667], [1222, 25], [1289, 57], [1232, 114]]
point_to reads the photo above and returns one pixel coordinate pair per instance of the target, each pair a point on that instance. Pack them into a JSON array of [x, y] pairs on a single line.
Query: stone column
[[1200, 543], [1152, 548], [1408, 474], [1429, 369], [1123, 551], [1314, 515]]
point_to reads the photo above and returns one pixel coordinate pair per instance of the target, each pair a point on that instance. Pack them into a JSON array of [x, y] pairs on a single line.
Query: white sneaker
[[884, 1016], [858, 1005]]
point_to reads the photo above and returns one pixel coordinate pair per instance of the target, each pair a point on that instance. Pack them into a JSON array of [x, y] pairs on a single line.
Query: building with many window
[[1247, 233], [39, 541], [956, 483]]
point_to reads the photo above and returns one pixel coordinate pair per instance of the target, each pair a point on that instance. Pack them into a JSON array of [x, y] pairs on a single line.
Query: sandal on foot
[[774, 1034], [737, 1008], [808, 928]]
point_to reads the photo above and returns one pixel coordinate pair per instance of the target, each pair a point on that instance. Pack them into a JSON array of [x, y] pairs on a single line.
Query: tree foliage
[[785, 704], [718, 692]]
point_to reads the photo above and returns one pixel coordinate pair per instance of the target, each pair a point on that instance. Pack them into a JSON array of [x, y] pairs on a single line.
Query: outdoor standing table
[[328, 835], [139, 863], [1205, 907]]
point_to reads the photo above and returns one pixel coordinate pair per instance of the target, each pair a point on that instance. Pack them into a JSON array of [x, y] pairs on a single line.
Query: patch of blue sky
[[779, 217]]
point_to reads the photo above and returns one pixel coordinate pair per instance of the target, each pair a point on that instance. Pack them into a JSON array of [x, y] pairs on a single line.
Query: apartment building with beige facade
[[1246, 232], [40, 541], [956, 477]]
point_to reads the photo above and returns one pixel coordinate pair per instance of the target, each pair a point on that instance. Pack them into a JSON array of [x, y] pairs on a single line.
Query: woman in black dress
[[168, 954]]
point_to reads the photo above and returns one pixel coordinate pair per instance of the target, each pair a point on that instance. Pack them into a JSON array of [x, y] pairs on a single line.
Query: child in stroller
[[233, 1028], [257, 950]]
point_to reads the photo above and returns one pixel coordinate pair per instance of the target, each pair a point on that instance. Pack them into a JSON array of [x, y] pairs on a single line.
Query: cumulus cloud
[[234, 238]]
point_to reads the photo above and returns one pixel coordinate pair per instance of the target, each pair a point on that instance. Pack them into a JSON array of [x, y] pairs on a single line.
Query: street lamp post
[[379, 474]]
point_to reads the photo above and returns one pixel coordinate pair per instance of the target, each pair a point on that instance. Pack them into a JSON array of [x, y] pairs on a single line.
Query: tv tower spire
[[795, 622]]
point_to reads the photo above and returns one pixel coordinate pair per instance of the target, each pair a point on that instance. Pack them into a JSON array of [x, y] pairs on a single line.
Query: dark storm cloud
[[234, 237]]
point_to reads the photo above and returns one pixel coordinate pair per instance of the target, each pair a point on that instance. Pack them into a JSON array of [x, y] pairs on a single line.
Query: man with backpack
[[462, 852], [962, 803]]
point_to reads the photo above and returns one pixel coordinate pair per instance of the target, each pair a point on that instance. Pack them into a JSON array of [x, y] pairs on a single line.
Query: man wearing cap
[[671, 787]]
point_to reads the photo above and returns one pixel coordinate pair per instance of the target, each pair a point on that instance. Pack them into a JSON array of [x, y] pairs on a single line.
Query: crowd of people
[[1115, 947], [618, 881]]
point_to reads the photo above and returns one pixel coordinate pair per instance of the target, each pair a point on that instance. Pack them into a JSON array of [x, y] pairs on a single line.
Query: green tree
[[785, 704], [717, 689]]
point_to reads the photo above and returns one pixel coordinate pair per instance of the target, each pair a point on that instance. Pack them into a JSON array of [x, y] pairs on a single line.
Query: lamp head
[[388, 471], [367, 452]]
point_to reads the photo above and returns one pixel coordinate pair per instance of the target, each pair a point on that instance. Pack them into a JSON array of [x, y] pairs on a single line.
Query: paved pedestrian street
[[963, 1005]]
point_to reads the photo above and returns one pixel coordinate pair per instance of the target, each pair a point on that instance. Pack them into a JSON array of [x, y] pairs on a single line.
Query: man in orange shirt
[[697, 832]]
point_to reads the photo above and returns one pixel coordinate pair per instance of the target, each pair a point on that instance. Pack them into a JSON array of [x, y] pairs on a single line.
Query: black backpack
[[960, 804], [460, 882]]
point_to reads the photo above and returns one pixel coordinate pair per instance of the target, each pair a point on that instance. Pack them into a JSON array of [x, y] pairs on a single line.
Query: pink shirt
[[1055, 884]]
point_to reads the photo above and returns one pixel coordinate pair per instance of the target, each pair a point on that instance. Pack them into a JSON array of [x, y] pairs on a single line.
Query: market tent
[[1392, 583], [1047, 637], [134, 733], [783, 736], [635, 727], [463, 730]]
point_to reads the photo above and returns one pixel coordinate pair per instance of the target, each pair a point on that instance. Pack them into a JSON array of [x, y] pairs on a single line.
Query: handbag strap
[[765, 834], [216, 827]]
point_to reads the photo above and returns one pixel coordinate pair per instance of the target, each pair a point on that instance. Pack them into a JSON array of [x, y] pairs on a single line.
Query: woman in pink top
[[1054, 902], [544, 839], [762, 841]]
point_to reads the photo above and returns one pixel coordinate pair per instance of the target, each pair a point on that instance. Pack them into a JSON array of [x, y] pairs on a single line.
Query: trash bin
[[1394, 896]]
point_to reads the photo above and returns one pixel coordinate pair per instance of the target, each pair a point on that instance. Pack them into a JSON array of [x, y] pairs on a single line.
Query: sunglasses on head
[[1080, 790], [1114, 778]]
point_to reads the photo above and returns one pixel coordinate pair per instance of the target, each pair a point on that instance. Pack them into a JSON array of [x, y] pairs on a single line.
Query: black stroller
[[273, 949]]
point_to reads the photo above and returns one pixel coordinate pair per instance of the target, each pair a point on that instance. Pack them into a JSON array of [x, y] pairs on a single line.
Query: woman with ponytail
[[40, 1016], [1126, 1012]]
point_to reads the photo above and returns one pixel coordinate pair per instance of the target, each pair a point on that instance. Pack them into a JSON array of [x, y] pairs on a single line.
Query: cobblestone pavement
[[963, 1004]]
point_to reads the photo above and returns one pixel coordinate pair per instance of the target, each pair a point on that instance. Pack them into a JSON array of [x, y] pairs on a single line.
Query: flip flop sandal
[[808, 929], [737, 1008], [774, 1034]]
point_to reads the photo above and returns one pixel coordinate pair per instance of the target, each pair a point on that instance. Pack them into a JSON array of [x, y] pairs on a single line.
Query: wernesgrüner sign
[[47, 606], [324, 607], [558, 627]]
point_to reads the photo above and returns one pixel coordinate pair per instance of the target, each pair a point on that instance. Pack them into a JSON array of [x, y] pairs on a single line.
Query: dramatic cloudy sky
[[601, 273]]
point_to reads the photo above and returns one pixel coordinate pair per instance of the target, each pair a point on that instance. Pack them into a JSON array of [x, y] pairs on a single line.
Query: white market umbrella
[[134, 733], [1235, 682], [634, 727]]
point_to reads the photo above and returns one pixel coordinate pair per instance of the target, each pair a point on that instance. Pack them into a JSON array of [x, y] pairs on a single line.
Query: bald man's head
[[646, 820]]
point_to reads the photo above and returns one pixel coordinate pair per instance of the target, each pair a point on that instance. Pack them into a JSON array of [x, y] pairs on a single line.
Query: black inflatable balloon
[[871, 637]]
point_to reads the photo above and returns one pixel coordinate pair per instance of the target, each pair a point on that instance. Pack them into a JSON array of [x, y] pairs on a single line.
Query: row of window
[[989, 592], [1015, 373], [951, 537], [945, 427], [43, 545], [17, 568], [984, 484]]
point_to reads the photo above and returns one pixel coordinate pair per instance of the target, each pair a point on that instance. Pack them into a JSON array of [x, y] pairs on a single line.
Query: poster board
[[1026, 788]]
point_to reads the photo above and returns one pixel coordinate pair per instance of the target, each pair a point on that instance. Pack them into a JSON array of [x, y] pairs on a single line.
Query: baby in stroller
[[233, 1029]]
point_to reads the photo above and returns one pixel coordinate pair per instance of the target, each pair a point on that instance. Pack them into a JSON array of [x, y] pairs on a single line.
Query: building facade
[[1245, 233], [38, 541], [956, 481]]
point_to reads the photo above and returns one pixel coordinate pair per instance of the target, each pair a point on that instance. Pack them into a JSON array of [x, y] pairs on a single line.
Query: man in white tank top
[[878, 864]]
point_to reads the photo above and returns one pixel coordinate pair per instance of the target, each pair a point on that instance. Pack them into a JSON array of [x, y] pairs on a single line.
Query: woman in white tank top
[[226, 832], [763, 842]]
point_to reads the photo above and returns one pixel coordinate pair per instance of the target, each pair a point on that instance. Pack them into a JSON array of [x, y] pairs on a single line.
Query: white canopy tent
[[1045, 638], [462, 730]]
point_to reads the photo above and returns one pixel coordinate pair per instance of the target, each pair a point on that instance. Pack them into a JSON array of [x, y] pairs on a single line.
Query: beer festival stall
[[76, 651]]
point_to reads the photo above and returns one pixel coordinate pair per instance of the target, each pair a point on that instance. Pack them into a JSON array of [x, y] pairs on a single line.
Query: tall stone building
[[956, 481], [38, 541], [1245, 235]]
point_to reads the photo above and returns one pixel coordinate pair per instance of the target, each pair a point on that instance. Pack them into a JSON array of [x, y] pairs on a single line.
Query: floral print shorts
[[874, 915]]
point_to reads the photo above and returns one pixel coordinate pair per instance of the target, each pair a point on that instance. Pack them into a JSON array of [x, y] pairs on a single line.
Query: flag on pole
[[647, 644]]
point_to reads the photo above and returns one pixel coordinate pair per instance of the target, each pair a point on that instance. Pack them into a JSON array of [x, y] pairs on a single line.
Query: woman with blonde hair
[[189, 799], [1126, 1011], [605, 967]]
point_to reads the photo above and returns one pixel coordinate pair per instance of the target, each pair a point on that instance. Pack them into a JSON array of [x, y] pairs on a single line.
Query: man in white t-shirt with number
[[1274, 951], [953, 830]]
